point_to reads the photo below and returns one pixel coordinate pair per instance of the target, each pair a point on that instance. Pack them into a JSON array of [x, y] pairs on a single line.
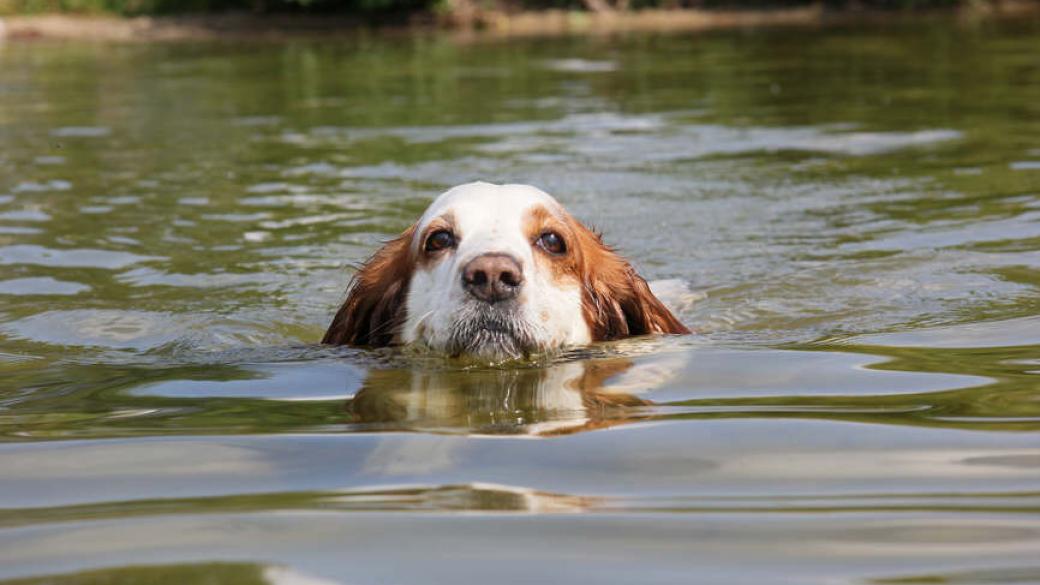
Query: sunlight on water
[[851, 220]]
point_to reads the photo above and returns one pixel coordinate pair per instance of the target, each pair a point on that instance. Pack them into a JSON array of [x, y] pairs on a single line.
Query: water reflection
[[559, 399], [856, 209], [1030, 574], [210, 573]]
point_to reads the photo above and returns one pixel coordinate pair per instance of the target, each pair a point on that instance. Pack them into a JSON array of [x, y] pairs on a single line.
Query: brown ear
[[617, 302], [375, 307]]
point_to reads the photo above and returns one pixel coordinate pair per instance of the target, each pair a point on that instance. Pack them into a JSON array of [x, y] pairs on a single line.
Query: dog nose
[[493, 277]]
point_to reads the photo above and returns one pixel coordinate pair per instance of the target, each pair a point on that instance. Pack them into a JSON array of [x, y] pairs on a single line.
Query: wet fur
[[374, 310], [615, 301], [478, 327]]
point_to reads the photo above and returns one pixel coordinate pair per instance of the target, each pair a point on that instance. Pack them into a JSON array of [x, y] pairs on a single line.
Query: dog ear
[[617, 301], [374, 310]]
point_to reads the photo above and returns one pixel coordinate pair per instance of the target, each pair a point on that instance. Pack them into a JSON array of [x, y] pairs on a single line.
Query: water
[[857, 214]]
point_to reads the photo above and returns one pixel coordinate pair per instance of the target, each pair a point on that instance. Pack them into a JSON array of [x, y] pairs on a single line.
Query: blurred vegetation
[[137, 7], [371, 7]]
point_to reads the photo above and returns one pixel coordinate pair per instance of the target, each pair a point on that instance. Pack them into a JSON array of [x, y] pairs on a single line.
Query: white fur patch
[[487, 219]]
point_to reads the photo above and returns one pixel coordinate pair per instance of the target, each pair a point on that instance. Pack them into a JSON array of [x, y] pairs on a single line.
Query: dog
[[497, 272]]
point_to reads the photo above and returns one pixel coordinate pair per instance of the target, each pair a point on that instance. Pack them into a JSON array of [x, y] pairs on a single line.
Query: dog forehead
[[485, 205]]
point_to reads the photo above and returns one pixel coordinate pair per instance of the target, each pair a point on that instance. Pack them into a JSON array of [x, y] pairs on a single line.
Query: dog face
[[497, 271]]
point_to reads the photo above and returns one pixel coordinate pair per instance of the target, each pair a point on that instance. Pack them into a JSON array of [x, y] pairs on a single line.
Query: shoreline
[[492, 24]]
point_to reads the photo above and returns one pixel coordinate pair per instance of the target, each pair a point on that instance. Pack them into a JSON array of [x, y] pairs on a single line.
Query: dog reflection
[[560, 399]]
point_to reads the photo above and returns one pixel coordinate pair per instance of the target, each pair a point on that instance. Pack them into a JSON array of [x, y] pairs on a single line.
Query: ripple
[[723, 373], [121, 200], [81, 132], [257, 120], [943, 532], [25, 215], [275, 187], [1017, 461], [291, 381], [1024, 331], [49, 160], [640, 138], [77, 258], [1021, 227], [44, 285], [257, 236], [237, 217], [580, 66], [138, 330], [19, 230], [95, 209], [32, 187], [152, 277]]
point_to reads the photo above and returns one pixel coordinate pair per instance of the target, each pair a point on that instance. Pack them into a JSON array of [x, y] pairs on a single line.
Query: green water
[[857, 212]]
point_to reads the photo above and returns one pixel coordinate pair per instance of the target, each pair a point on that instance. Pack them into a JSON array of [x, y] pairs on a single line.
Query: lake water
[[856, 213]]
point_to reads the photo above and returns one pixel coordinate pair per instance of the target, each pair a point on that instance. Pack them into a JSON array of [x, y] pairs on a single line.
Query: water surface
[[856, 214]]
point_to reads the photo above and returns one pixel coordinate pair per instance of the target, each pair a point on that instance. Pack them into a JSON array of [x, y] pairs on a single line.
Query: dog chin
[[490, 333]]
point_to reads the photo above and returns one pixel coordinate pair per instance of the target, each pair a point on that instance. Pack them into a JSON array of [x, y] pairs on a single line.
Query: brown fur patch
[[375, 307], [616, 301]]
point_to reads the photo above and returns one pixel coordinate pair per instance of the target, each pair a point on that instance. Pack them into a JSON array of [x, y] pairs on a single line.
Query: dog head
[[497, 271]]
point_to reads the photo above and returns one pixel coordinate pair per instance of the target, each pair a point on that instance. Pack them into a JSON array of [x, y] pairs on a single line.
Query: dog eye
[[552, 243], [440, 240]]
